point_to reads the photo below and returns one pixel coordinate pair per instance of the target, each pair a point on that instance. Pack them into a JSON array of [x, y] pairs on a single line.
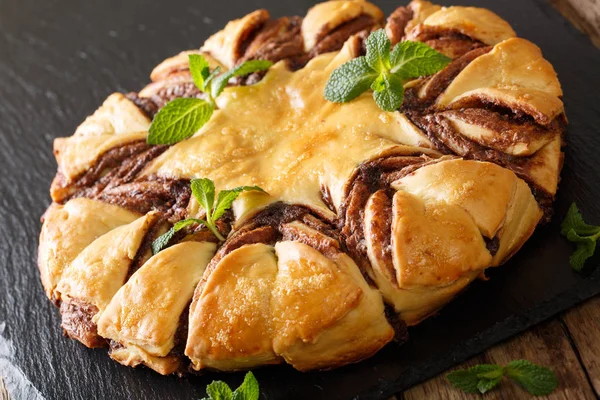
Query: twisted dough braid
[[373, 221]]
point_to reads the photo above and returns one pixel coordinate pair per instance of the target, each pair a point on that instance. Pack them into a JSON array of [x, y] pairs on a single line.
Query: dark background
[[59, 59]]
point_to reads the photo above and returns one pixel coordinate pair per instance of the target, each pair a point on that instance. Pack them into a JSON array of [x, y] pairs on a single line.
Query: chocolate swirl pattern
[[373, 221]]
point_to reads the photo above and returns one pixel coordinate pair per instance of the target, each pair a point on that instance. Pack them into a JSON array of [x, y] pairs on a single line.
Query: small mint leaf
[[586, 246], [535, 379], [391, 96], [379, 84], [487, 371], [226, 198], [378, 51], [163, 240], [199, 69], [204, 191], [219, 390], [178, 120], [582, 234], [349, 80], [248, 390], [414, 59], [485, 385], [219, 83], [464, 380], [212, 76], [574, 220]]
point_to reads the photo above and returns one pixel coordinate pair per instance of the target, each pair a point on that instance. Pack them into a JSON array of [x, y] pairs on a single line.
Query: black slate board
[[60, 58]]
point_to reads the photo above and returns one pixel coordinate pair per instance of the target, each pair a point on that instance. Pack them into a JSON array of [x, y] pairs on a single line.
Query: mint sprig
[[204, 191], [383, 70], [535, 379], [179, 119], [585, 236], [248, 390]]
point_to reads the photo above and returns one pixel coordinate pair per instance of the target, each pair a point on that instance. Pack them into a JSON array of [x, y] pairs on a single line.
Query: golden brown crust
[[364, 209], [326, 17], [68, 229], [226, 45], [515, 75], [144, 314]]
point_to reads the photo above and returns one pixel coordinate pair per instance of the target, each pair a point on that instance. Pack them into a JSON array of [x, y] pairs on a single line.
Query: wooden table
[[569, 343]]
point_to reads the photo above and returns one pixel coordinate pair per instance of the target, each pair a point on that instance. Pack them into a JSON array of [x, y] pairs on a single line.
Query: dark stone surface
[[60, 58]]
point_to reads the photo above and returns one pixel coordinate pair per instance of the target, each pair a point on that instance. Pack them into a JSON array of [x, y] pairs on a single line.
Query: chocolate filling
[[369, 178], [396, 23], [77, 323]]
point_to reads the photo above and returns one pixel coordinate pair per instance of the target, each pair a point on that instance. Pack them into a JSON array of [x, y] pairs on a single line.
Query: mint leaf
[[248, 67], [479, 378], [219, 390], [389, 92], [199, 69], [586, 245], [485, 385], [378, 51], [349, 80], [582, 234], [163, 240], [178, 120], [204, 191], [248, 390], [464, 380], [487, 371], [226, 198], [212, 76], [574, 220], [414, 59], [535, 379]]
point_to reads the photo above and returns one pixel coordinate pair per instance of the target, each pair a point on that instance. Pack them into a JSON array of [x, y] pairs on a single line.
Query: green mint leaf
[[379, 84], [586, 245], [226, 198], [574, 220], [378, 51], [219, 390], [390, 92], [487, 371], [485, 385], [204, 191], [582, 234], [248, 390], [199, 70], [163, 240], [464, 380], [535, 379], [349, 80], [414, 59], [178, 120], [212, 76], [479, 378], [219, 83]]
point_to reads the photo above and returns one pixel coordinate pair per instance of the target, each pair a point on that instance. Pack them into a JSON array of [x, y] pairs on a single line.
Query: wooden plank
[[583, 326], [584, 14], [546, 344]]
